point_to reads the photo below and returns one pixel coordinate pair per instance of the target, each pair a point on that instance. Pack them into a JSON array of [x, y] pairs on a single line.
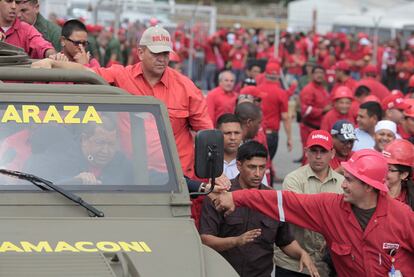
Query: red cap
[[370, 69], [272, 68], [320, 138], [411, 82], [253, 91], [174, 57], [371, 98], [369, 166], [342, 65], [394, 101], [399, 151], [409, 111], [342, 92]]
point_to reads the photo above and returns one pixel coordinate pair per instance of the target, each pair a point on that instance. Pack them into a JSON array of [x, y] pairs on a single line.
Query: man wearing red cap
[[393, 106], [343, 77], [275, 109], [152, 77], [222, 99], [342, 100], [315, 102], [368, 233], [313, 178], [406, 128]]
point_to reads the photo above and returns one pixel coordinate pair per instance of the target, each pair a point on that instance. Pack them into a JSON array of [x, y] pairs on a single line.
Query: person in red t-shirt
[[343, 135], [314, 102], [393, 107], [238, 57], [222, 99], [342, 101], [275, 109], [406, 128]]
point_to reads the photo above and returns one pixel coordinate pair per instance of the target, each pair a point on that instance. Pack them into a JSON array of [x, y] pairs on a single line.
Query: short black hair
[[251, 149], [362, 90], [227, 118], [317, 67], [373, 108], [71, 26], [247, 110], [253, 64]]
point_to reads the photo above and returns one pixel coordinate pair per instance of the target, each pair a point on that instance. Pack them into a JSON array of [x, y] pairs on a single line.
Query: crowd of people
[[356, 119]]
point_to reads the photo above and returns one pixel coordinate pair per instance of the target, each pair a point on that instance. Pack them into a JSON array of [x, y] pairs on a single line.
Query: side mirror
[[209, 153]]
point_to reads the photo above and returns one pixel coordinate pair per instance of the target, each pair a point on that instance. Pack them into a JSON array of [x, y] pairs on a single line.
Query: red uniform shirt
[[402, 132], [27, 37], [313, 98], [186, 105], [220, 102], [273, 104], [355, 252], [377, 88], [238, 58], [333, 116]]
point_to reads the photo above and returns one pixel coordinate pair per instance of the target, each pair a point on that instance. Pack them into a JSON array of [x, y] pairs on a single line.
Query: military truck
[[91, 183]]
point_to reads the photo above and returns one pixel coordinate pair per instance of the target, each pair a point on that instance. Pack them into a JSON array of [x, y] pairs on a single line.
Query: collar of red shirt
[[137, 71], [14, 27]]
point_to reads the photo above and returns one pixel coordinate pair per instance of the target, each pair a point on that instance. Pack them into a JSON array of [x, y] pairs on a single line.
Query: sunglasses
[[77, 43]]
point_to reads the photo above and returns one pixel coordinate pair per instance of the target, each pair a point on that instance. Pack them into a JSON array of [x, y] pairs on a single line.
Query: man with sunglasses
[[21, 34], [28, 11], [313, 178], [74, 41]]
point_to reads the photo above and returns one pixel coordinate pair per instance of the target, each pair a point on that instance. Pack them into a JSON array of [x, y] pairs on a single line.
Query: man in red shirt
[[367, 232], [275, 109], [343, 135], [21, 34], [186, 105], [342, 100], [393, 107], [406, 128], [343, 77], [222, 99], [314, 102]]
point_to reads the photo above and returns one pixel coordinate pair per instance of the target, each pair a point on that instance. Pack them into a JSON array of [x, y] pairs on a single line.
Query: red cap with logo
[[394, 101], [253, 91], [342, 92], [369, 166], [320, 138]]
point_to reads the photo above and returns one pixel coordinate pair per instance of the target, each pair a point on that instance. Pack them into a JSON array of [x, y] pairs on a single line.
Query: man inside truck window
[[94, 158]]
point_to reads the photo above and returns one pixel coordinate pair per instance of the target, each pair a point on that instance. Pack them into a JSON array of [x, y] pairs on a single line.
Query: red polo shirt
[[220, 102], [186, 105], [333, 116], [273, 104], [27, 37]]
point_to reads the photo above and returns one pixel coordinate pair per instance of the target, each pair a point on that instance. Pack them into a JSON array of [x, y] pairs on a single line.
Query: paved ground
[[283, 161]]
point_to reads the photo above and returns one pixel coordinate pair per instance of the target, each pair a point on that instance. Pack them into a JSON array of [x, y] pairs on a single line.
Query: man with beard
[[342, 100]]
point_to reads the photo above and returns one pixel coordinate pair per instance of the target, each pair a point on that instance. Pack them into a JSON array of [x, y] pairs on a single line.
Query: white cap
[[386, 125], [157, 39]]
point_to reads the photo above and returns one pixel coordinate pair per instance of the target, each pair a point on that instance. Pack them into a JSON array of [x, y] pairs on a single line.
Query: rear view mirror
[[209, 153]]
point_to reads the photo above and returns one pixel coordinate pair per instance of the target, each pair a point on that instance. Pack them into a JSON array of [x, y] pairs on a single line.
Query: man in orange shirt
[[186, 105]]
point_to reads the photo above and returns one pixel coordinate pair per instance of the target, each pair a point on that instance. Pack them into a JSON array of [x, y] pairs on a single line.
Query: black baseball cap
[[343, 130]]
